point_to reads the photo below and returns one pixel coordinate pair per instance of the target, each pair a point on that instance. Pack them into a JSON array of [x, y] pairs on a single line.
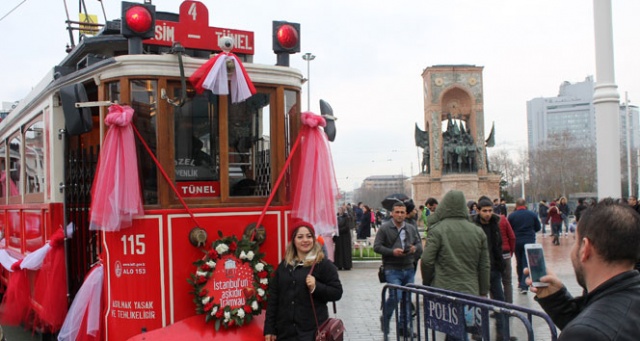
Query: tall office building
[[572, 111]]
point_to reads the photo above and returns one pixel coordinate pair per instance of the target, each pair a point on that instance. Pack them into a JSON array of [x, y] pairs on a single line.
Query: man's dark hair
[[431, 202], [613, 229], [483, 201], [398, 204], [580, 201]]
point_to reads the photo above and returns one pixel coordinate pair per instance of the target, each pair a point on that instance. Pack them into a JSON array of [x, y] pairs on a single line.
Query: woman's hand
[[270, 337], [311, 283]]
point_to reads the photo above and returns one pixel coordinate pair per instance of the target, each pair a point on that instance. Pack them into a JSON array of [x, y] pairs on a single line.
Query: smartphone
[[535, 259]]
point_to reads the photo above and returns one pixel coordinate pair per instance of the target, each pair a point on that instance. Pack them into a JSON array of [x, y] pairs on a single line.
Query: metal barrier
[[454, 314]]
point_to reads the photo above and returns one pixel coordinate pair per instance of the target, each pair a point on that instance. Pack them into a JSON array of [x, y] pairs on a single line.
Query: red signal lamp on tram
[[138, 23], [286, 40], [138, 20]]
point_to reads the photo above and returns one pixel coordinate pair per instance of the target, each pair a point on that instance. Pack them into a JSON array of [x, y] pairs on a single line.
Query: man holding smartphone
[[398, 242], [603, 257]]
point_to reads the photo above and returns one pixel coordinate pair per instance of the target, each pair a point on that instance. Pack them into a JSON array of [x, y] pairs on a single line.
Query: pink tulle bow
[[115, 192], [312, 120], [119, 115], [316, 189]]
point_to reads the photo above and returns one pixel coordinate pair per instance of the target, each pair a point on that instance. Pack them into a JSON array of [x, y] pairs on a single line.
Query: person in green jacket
[[456, 256]]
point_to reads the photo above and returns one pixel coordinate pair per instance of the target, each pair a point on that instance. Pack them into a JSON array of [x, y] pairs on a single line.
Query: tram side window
[[144, 103], [197, 152], [3, 172], [15, 155], [249, 146], [34, 157]]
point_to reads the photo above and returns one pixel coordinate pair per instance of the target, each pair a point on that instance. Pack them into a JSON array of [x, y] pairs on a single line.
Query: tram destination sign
[[192, 31]]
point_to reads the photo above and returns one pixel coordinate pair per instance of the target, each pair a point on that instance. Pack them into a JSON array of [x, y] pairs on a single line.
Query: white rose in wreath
[[259, 267], [260, 292], [222, 248], [250, 255], [201, 273], [214, 311], [243, 255], [254, 305], [206, 300], [211, 264], [240, 313], [227, 315], [264, 281]]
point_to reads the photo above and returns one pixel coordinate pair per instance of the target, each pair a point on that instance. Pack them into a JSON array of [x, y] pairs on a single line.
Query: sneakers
[[524, 291]]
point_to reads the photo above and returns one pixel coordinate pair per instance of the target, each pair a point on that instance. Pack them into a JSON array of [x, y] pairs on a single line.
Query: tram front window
[[196, 141], [144, 95], [249, 146]]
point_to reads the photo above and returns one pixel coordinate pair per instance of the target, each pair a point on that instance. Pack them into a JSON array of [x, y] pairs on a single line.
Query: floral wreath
[[246, 251]]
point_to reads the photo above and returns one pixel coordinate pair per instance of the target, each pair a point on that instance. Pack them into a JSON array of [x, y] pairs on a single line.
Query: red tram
[[223, 158]]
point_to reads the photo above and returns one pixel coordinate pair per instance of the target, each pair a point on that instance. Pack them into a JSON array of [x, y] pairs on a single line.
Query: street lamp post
[[308, 57], [628, 133]]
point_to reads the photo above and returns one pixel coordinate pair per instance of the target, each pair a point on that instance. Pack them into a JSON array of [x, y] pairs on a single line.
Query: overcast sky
[[370, 56]]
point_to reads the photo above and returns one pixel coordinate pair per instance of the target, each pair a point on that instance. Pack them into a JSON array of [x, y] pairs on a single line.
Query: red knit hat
[[300, 223]]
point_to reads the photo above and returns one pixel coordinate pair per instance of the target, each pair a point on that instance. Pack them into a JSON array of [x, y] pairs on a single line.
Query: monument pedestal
[[472, 185]]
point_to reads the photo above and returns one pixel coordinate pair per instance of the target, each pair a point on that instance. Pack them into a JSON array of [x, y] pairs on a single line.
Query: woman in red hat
[[290, 315]]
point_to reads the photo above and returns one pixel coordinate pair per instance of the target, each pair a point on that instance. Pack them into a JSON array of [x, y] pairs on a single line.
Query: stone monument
[[453, 142]]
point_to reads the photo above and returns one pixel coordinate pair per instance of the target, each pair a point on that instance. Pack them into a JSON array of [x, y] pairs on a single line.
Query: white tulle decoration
[[6, 260], [33, 261], [87, 302]]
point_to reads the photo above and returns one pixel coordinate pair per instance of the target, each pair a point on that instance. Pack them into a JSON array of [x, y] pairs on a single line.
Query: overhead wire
[[13, 9]]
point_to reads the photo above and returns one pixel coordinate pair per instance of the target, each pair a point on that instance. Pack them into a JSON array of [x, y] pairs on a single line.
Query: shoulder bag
[[332, 329]]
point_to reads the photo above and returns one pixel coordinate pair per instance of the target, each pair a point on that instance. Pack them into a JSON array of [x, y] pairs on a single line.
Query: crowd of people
[[469, 247]]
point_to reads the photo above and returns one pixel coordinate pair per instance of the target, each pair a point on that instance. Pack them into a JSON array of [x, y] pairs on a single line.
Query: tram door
[[80, 161]]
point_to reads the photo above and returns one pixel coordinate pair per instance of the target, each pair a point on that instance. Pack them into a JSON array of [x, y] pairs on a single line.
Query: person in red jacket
[[508, 248], [555, 220]]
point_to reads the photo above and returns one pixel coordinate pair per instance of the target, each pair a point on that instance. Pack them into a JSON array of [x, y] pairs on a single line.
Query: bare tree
[[564, 164], [501, 162]]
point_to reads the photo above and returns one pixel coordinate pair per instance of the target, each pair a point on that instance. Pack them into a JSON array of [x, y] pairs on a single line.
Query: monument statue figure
[[422, 141], [461, 153], [488, 143]]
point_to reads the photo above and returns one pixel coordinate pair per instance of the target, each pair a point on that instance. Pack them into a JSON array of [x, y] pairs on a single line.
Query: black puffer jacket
[[610, 312], [494, 240], [289, 314]]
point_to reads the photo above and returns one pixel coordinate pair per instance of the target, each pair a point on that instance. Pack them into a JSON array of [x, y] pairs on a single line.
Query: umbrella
[[391, 199]]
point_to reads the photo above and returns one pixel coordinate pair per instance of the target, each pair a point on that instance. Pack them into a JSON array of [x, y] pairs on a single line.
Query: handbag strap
[[313, 306]]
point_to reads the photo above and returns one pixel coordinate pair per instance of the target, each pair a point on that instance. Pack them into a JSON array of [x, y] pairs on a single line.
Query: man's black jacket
[[610, 312]]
